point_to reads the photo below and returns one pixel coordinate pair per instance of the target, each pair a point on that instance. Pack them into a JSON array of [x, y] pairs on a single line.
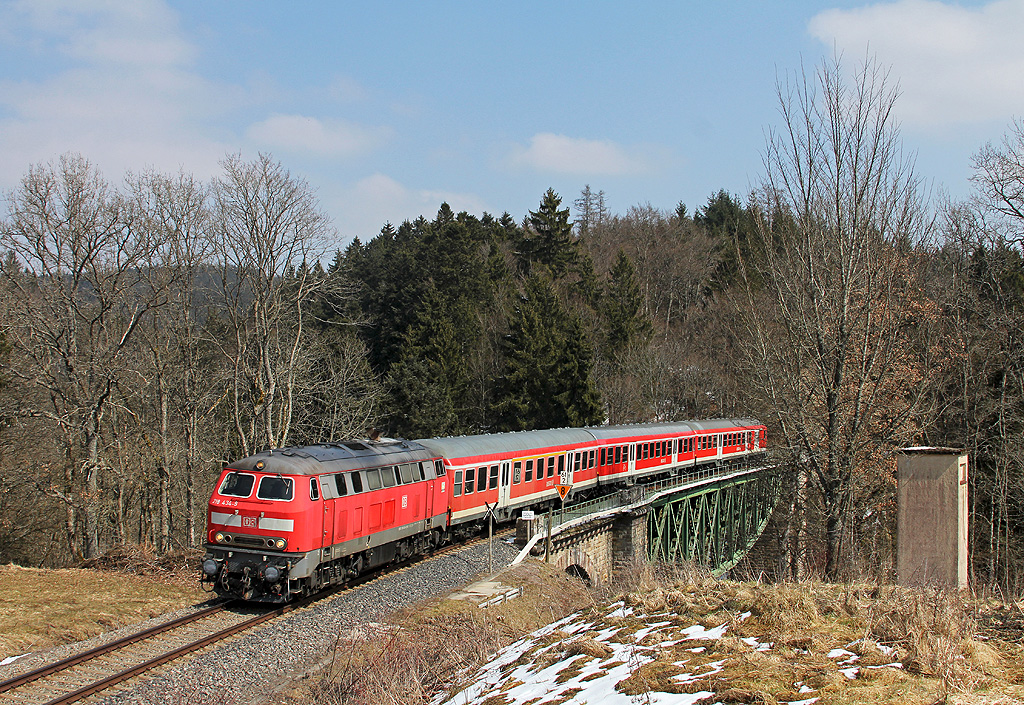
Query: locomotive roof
[[513, 442], [334, 457]]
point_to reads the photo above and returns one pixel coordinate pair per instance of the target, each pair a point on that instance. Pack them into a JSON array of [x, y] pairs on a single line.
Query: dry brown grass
[[935, 632], [441, 639], [44, 608]]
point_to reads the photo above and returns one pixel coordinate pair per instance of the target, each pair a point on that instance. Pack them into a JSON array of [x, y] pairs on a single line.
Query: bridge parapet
[[594, 539]]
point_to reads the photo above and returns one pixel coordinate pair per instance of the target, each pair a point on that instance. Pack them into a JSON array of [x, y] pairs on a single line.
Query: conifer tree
[[623, 307], [548, 381], [547, 237]]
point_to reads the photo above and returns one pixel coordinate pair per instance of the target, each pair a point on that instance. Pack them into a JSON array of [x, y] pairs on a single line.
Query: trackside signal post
[[931, 534]]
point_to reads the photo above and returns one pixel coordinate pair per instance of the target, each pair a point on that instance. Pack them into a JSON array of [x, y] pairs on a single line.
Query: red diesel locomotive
[[287, 522]]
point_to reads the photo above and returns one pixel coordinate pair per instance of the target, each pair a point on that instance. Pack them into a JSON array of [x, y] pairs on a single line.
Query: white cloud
[[363, 208], [329, 138], [549, 152], [125, 93], [954, 64]]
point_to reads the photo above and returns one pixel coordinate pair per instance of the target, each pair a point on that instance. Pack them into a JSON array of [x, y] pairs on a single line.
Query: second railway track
[[98, 669]]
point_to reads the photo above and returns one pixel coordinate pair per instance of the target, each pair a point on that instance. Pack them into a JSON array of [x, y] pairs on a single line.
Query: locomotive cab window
[[439, 468], [339, 484], [314, 489], [280, 489], [357, 482], [389, 473], [406, 470], [373, 479], [237, 485]]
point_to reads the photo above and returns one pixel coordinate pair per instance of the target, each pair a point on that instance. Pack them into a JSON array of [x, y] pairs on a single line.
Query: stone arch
[[577, 562]]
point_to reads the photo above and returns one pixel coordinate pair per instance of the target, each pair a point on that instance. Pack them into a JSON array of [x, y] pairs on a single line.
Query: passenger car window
[[529, 471], [470, 477], [481, 479], [551, 466], [517, 472], [237, 485], [494, 477], [277, 488], [457, 487]]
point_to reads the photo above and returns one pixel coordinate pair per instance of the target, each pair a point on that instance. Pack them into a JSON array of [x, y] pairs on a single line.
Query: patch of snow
[[713, 668], [743, 616], [803, 702], [607, 633], [839, 653], [649, 629], [621, 611], [756, 645], [12, 659], [805, 689], [699, 632], [850, 673]]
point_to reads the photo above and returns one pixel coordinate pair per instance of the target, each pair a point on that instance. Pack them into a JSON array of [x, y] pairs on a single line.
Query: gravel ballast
[[251, 667]]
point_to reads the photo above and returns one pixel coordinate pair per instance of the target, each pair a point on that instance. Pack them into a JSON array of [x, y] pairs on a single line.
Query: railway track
[[104, 667]]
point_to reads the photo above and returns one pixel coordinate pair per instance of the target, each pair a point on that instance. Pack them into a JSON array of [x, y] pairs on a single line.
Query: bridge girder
[[713, 525]]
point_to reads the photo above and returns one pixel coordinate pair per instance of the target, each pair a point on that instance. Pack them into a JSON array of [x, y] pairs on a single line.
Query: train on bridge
[[290, 521]]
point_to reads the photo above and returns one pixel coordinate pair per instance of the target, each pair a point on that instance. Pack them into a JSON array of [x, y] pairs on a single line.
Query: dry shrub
[[406, 666], [786, 612], [588, 647], [934, 627]]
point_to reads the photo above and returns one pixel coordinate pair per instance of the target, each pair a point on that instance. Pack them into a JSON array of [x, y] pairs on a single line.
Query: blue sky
[[387, 109]]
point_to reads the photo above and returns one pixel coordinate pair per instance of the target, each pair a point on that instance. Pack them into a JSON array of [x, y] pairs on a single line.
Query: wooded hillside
[[153, 330]]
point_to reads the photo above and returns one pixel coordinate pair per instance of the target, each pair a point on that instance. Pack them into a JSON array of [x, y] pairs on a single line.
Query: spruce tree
[[547, 237], [548, 361], [623, 307]]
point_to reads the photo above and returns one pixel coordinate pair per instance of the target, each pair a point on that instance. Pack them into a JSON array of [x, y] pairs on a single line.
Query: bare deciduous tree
[[835, 293], [269, 230], [78, 299]]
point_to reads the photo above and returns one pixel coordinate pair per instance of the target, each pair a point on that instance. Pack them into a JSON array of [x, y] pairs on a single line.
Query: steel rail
[[181, 651], [67, 663]]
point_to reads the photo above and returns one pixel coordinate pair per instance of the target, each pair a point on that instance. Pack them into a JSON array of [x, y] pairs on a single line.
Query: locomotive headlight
[[210, 567], [271, 574], [219, 537], [281, 543]]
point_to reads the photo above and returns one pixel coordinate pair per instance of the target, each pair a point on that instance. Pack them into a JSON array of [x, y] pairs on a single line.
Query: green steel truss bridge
[[711, 519]]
